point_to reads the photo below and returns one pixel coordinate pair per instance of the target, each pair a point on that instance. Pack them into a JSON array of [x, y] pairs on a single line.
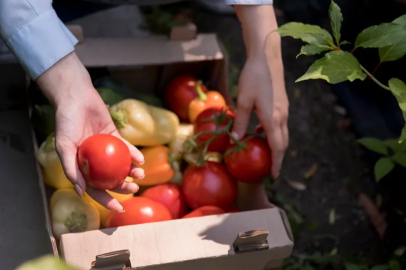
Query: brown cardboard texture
[[258, 239]]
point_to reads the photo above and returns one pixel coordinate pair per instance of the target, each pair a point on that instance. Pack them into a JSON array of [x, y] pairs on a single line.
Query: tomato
[[250, 162], [104, 161], [138, 210], [234, 210], [210, 184], [221, 118], [171, 196], [179, 93], [205, 211]]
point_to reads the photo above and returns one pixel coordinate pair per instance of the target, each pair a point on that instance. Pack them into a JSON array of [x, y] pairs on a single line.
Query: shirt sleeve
[[34, 33], [249, 2]]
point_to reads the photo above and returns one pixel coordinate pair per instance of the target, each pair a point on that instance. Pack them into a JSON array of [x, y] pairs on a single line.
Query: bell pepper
[[51, 165], [158, 166], [70, 213], [185, 131], [144, 125], [103, 211], [211, 99]]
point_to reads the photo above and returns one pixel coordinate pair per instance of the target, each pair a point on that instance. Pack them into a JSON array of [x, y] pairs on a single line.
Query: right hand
[[81, 113]]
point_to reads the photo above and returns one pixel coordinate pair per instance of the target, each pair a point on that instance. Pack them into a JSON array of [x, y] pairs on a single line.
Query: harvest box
[[257, 238]]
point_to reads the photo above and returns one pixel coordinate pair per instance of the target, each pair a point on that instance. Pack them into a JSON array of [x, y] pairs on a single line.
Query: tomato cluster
[[208, 187]]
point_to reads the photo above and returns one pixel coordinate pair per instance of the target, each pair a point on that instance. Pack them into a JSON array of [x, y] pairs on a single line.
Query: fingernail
[[79, 191], [142, 177], [141, 163], [122, 211], [235, 136]]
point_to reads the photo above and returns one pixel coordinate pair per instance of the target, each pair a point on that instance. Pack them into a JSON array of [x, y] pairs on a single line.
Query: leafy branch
[[338, 65]]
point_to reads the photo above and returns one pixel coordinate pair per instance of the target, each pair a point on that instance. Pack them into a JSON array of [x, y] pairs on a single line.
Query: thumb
[[242, 119]]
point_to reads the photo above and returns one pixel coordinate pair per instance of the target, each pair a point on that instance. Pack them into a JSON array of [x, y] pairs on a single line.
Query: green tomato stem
[[76, 222], [375, 79], [200, 94], [119, 117]]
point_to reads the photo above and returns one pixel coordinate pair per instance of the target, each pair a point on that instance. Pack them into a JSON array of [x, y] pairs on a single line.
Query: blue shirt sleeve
[[249, 2], [34, 33]]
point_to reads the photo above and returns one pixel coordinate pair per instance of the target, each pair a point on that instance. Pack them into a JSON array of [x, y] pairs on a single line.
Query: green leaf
[[398, 89], [382, 167], [336, 18], [345, 42], [374, 144], [380, 267], [332, 216], [401, 20], [394, 51], [45, 262], [311, 34], [335, 67], [351, 266], [379, 36], [394, 265], [403, 135], [392, 143], [313, 49], [400, 158], [400, 251]]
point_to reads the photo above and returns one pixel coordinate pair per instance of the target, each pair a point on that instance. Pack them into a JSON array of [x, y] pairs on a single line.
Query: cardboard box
[[255, 239]]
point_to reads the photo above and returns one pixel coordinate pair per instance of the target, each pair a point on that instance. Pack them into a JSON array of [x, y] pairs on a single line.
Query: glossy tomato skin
[[205, 211], [179, 93], [210, 184], [104, 161], [170, 195], [221, 142], [250, 165], [138, 210]]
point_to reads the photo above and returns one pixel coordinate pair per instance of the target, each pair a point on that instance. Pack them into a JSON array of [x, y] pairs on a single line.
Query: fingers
[[67, 154], [126, 188], [136, 155], [137, 173], [105, 199], [242, 117]]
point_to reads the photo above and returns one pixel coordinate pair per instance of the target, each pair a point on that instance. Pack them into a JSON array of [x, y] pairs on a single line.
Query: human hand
[[81, 113], [258, 92]]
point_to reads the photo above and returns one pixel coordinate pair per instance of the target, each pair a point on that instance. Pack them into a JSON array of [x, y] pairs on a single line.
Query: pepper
[[103, 211], [158, 166], [70, 213], [176, 147], [211, 99], [51, 165], [144, 125]]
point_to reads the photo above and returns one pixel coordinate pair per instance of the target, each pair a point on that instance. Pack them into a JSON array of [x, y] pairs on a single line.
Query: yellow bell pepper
[[51, 166], [176, 148], [70, 213], [103, 211], [144, 125]]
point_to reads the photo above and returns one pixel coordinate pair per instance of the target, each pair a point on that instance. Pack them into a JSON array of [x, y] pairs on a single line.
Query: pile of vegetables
[[192, 163]]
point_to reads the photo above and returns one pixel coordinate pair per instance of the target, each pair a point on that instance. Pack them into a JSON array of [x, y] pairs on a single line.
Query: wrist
[[67, 79]]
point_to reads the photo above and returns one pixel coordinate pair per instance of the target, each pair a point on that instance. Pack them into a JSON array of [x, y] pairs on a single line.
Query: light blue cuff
[[249, 2], [41, 43]]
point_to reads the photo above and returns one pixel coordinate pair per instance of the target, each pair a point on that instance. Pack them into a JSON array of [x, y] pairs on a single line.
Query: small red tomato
[[171, 196], [205, 211], [179, 93], [220, 120], [249, 162], [138, 210], [104, 161], [210, 184]]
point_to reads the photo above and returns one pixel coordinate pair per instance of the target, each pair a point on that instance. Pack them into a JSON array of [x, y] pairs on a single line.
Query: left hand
[[262, 90]]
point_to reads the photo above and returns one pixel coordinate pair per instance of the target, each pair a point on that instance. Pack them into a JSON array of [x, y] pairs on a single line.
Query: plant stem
[[375, 79], [200, 94], [376, 68]]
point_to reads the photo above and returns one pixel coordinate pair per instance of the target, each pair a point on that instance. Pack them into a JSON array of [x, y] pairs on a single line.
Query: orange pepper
[[210, 99], [157, 167]]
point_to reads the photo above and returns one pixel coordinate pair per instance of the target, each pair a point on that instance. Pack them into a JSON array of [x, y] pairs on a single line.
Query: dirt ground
[[327, 212]]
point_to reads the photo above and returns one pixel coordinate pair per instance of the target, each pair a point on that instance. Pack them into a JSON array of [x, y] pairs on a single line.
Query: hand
[[269, 100], [81, 113]]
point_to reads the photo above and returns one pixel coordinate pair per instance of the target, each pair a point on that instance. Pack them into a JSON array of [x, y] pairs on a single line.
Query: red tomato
[[220, 121], [179, 93], [205, 211], [171, 196], [210, 184], [138, 210], [104, 161], [233, 210], [250, 164]]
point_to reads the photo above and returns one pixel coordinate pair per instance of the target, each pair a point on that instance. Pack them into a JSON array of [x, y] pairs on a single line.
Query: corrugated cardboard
[[199, 243]]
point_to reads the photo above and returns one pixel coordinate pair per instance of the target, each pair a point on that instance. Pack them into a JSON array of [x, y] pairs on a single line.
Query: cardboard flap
[[154, 50], [179, 240]]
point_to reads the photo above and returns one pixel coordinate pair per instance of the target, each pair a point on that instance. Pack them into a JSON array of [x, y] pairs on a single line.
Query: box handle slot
[[116, 260], [251, 241]]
